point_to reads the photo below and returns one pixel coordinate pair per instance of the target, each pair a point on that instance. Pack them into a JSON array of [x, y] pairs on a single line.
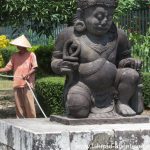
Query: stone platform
[[42, 134], [91, 121]]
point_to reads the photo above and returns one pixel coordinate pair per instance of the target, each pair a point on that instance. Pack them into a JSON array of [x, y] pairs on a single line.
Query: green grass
[[5, 84]]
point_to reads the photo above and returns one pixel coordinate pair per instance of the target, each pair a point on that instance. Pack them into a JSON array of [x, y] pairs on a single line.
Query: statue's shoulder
[[66, 33], [63, 36], [124, 46], [123, 40], [122, 35]]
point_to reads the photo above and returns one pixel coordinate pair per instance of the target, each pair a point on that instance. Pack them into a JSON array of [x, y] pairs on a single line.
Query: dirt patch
[[6, 103], [7, 109]]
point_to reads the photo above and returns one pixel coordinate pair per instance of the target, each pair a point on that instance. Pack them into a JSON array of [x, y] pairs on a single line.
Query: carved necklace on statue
[[105, 46]]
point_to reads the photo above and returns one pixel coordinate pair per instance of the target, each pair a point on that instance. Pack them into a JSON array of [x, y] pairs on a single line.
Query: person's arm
[[4, 70], [34, 67], [26, 77], [8, 67]]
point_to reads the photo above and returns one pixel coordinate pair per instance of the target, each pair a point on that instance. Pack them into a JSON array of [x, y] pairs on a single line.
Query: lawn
[[5, 84]]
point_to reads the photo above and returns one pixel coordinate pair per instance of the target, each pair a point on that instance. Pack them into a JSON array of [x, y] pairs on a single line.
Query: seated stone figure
[[101, 77]]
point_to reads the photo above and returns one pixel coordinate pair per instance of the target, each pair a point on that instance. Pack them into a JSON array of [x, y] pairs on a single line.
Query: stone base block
[[41, 134], [84, 121]]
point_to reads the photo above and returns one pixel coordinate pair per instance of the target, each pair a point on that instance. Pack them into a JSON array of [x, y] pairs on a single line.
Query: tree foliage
[[40, 15], [126, 5]]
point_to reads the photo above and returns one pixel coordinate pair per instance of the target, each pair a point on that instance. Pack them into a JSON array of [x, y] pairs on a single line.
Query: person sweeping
[[24, 65]]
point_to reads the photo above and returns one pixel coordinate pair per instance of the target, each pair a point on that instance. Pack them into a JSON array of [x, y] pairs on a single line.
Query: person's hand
[[25, 77], [131, 63]]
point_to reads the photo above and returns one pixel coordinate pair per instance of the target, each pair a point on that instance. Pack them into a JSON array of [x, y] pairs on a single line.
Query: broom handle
[[9, 76], [35, 99]]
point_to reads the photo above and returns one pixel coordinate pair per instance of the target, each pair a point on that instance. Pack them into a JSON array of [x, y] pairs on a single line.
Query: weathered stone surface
[[80, 140], [41, 134], [74, 121], [95, 56], [101, 139], [5, 147]]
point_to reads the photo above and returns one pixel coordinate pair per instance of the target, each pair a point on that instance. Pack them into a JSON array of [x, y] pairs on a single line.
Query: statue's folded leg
[[126, 84], [78, 102]]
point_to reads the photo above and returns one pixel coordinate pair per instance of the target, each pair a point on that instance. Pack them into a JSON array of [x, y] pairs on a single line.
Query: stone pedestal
[[92, 121], [41, 134]]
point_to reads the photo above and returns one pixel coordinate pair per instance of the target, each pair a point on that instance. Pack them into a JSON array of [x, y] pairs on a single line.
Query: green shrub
[[4, 42], [34, 48], [6, 54], [146, 89], [130, 5], [141, 48], [49, 92], [44, 55], [1, 61]]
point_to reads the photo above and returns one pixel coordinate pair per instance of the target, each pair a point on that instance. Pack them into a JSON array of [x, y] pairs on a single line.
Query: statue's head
[[95, 16]]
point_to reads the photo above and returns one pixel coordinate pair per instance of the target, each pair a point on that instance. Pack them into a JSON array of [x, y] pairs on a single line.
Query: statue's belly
[[98, 75]]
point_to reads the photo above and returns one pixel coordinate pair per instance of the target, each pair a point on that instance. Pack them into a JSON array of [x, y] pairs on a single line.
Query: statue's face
[[98, 20]]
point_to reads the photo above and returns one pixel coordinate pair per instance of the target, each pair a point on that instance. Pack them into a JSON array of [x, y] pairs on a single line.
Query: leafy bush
[[6, 53], [42, 13], [34, 48], [146, 89], [1, 61], [44, 55], [141, 48], [126, 5], [3, 41], [49, 93]]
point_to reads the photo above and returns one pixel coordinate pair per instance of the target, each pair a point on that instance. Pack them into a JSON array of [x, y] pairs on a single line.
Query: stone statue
[[102, 79]]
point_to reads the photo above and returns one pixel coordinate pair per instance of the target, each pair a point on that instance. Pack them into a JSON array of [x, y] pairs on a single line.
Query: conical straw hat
[[21, 41]]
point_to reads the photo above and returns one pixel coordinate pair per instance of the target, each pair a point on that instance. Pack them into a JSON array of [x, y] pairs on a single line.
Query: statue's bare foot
[[125, 110]]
